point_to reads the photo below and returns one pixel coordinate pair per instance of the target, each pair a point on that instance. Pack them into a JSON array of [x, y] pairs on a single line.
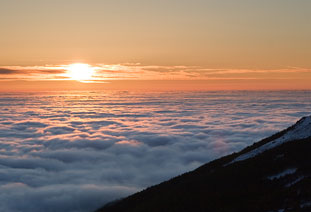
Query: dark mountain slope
[[271, 175]]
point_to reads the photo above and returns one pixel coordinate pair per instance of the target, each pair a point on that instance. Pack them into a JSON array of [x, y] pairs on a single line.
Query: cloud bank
[[152, 72], [76, 151]]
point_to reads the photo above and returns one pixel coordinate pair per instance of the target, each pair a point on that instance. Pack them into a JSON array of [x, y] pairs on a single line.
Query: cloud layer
[[152, 72], [76, 151]]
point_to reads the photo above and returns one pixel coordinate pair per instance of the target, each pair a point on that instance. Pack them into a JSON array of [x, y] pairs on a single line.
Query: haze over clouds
[[76, 151]]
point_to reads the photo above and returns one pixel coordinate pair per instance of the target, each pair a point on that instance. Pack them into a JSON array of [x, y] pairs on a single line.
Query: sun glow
[[80, 72]]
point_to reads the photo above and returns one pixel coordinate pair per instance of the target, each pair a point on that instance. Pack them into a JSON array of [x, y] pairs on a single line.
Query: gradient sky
[[257, 36]]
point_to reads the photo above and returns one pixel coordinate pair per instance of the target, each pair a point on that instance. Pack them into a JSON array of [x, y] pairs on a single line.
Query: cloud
[[77, 198], [76, 151], [104, 72], [32, 72], [7, 71], [59, 130]]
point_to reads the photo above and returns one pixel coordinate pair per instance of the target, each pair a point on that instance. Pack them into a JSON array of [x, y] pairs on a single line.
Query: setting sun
[[80, 71]]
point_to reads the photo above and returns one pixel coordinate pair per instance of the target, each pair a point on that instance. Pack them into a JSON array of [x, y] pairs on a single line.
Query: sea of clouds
[[76, 151]]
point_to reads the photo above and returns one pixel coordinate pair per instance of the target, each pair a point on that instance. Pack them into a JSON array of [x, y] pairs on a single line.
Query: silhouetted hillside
[[271, 175]]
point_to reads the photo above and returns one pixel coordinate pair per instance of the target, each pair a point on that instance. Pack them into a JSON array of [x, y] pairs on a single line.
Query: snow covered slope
[[301, 130]]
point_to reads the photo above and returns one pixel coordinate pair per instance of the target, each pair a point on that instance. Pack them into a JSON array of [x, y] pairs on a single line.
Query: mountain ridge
[[276, 179]]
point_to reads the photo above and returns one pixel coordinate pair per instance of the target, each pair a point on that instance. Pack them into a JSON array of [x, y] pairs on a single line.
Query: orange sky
[[234, 44]]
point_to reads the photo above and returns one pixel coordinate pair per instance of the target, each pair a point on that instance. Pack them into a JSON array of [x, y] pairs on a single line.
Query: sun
[[80, 71]]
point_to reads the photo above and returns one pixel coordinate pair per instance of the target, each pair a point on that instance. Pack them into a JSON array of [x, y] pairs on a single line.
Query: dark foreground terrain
[[271, 175]]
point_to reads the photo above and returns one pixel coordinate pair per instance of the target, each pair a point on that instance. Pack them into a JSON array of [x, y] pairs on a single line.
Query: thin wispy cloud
[[31, 72], [142, 72]]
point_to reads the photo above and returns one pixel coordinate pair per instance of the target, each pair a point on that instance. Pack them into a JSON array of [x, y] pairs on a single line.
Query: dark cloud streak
[[8, 71]]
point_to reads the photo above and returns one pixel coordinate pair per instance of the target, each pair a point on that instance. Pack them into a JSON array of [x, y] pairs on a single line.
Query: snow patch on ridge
[[305, 204], [283, 174], [295, 181], [301, 130]]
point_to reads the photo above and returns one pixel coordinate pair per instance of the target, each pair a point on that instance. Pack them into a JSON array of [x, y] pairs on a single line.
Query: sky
[[264, 43]]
